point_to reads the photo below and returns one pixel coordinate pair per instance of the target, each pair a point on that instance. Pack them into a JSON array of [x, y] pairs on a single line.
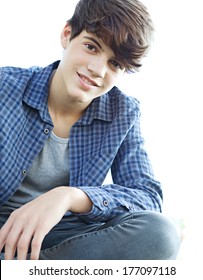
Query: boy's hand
[[28, 225]]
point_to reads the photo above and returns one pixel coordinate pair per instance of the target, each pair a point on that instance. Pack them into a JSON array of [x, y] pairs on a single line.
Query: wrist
[[76, 200]]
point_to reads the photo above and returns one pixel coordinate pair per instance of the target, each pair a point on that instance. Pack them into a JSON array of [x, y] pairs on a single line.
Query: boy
[[62, 128]]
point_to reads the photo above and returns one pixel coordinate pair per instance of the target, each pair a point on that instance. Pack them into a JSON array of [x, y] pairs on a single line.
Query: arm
[[30, 223], [134, 187]]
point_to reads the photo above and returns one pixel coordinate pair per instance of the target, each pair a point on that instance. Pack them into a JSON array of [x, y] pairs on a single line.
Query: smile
[[87, 80]]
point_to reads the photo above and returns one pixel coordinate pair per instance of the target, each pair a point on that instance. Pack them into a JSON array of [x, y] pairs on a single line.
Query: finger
[[7, 241], [36, 246], [10, 245], [3, 235], [5, 230], [13, 233], [23, 244]]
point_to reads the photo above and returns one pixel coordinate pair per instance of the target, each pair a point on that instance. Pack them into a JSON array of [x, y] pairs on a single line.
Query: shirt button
[[24, 172], [105, 203], [46, 131]]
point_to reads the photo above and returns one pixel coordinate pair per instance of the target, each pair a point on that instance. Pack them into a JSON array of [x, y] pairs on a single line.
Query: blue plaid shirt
[[106, 137]]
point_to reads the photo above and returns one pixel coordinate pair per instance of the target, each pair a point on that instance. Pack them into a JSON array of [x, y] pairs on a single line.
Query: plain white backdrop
[[169, 87]]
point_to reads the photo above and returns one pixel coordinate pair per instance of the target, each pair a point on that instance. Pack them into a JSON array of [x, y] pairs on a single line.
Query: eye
[[116, 64], [90, 47]]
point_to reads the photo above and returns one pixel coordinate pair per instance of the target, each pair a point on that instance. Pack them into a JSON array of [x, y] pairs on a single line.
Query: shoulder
[[14, 81], [115, 105], [16, 71], [122, 103], [9, 73], [15, 78]]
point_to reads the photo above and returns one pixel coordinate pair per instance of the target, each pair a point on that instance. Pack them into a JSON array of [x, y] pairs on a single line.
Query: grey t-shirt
[[50, 169]]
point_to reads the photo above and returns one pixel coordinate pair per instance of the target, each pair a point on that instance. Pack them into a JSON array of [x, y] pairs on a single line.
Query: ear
[[65, 35]]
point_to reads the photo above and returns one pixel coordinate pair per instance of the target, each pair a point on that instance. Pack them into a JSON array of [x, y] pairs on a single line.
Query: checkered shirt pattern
[[107, 137]]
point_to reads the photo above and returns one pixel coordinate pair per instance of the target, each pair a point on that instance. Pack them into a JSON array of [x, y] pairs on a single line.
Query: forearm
[[77, 200]]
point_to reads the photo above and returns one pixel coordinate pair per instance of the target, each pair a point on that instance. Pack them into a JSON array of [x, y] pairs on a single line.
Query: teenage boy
[[63, 128]]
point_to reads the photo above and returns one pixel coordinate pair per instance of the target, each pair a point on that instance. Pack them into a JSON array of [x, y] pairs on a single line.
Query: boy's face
[[88, 68]]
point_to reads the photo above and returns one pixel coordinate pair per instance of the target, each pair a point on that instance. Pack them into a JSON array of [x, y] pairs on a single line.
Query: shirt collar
[[37, 90], [100, 108]]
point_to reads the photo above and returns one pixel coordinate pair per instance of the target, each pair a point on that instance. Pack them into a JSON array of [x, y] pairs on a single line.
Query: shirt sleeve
[[134, 187]]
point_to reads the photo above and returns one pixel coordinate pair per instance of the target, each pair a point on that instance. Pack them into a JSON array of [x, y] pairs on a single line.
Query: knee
[[163, 236]]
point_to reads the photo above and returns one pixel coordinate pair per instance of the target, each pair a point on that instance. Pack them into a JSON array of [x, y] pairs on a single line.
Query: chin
[[80, 99]]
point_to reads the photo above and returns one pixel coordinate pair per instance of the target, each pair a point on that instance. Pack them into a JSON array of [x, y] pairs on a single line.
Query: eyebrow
[[93, 40]]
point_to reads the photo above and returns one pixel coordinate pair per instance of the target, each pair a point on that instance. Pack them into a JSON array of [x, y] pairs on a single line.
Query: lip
[[91, 83]]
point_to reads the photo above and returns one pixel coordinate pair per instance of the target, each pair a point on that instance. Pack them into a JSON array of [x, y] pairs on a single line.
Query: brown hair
[[123, 25]]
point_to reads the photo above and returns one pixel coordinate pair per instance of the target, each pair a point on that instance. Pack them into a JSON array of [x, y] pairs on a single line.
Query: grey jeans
[[143, 235]]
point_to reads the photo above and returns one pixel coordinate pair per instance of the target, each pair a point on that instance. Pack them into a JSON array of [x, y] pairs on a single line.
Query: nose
[[97, 66]]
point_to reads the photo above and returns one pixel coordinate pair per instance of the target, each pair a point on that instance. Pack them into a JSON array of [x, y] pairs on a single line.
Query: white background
[[168, 87]]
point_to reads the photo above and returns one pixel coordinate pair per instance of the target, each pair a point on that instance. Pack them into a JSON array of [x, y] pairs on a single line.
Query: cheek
[[73, 55]]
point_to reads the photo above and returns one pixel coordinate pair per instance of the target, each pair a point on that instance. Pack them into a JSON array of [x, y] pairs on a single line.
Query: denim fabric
[[143, 235]]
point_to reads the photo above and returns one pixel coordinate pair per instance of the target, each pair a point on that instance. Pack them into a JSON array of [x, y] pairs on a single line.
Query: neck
[[63, 111], [61, 108]]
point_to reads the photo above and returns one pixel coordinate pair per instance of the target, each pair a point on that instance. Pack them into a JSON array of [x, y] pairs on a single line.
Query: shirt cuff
[[103, 204]]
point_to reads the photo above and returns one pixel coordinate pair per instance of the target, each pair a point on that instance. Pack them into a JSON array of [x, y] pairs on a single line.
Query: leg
[[140, 236]]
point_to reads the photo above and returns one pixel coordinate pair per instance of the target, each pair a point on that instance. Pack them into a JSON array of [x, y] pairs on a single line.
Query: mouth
[[87, 80]]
